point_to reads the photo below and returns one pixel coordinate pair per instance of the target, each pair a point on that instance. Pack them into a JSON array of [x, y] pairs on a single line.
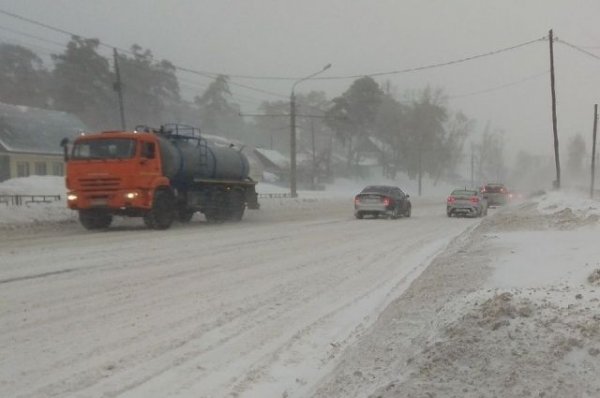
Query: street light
[[293, 130]]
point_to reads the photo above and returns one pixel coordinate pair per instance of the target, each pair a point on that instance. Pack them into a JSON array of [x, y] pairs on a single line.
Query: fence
[[20, 200], [274, 195]]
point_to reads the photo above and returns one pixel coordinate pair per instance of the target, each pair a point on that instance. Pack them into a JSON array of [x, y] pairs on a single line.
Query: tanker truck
[[161, 175]]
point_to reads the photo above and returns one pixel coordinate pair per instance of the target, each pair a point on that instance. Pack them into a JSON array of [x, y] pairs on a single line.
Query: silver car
[[466, 202]]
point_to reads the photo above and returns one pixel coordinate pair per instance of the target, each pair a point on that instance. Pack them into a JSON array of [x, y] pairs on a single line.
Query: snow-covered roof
[[218, 140], [275, 157], [35, 130]]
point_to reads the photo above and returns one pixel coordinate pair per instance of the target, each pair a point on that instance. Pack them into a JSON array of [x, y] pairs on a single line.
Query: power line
[[577, 48], [407, 70], [183, 69], [31, 36], [213, 75], [447, 63], [496, 88]]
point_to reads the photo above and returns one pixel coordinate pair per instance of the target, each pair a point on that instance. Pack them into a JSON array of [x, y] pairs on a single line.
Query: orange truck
[[161, 175]]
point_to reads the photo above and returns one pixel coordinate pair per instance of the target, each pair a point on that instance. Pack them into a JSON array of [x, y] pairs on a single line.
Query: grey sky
[[296, 38]]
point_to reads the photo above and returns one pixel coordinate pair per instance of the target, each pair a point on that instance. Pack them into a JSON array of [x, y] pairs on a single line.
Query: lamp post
[[293, 191]]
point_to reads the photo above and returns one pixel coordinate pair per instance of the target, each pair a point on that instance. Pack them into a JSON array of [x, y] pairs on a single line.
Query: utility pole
[[554, 128], [293, 189], [594, 151], [472, 167], [420, 159], [314, 159], [118, 87]]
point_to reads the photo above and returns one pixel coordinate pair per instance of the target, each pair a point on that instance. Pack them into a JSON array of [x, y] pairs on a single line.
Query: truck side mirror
[[64, 143]]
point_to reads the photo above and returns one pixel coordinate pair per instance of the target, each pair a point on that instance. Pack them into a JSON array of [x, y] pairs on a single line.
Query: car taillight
[[474, 199], [451, 199], [386, 201]]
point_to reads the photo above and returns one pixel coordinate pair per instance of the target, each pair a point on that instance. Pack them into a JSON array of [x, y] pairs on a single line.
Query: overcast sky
[[273, 38]]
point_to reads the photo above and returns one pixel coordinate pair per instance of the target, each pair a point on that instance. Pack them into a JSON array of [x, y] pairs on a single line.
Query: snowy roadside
[[512, 309]]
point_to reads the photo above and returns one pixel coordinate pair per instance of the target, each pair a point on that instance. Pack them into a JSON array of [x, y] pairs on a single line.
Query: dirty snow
[[512, 309]]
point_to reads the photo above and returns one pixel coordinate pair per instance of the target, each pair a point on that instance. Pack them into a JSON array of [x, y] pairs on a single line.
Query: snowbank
[[35, 213], [512, 309]]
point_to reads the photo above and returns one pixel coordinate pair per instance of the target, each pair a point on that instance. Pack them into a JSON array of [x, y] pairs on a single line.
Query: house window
[[58, 169], [22, 169], [40, 168]]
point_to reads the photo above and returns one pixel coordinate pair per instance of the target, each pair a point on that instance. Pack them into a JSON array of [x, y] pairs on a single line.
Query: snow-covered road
[[262, 308]]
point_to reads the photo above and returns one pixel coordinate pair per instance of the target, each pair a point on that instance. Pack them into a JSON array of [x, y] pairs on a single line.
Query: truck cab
[[113, 169]]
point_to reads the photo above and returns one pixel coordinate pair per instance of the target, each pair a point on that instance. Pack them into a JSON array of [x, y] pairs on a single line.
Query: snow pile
[[511, 309], [556, 202], [31, 212], [533, 329], [543, 343]]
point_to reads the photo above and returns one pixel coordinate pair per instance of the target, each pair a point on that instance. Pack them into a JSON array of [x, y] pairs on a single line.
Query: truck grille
[[100, 184]]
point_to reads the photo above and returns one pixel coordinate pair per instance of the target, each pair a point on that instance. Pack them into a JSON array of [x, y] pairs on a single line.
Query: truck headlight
[[131, 195], [71, 197]]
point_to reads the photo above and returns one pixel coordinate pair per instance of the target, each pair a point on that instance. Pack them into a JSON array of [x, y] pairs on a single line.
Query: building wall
[[24, 165]]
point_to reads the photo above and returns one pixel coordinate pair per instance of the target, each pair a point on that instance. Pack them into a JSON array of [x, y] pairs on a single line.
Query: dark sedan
[[496, 194], [382, 200]]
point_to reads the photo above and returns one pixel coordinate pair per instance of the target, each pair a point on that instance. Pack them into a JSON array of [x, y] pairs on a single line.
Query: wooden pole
[[119, 89], [554, 127], [594, 151]]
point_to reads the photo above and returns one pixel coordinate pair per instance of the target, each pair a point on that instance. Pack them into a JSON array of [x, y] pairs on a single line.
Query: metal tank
[[185, 159]]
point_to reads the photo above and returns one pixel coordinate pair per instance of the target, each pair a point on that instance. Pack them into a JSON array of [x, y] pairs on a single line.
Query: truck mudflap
[[252, 198]]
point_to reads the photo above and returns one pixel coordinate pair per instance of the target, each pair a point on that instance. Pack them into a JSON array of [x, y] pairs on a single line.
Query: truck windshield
[[115, 148]]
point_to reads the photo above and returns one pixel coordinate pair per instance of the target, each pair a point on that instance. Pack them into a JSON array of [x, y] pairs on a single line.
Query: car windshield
[[377, 189], [114, 148], [462, 192], [494, 188]]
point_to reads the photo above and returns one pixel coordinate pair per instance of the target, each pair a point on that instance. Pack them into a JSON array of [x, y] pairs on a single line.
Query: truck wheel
[[214, 216], [94, 219], [162, 214]]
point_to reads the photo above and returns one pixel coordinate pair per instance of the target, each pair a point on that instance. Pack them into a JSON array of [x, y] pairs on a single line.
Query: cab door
[[149, 164]]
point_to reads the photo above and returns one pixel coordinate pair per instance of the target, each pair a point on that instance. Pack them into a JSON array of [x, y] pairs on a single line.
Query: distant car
[[382, 200], [466, 202], [496, 194]]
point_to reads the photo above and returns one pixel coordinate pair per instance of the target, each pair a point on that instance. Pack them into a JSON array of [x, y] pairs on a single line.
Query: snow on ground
[[510, 308]]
